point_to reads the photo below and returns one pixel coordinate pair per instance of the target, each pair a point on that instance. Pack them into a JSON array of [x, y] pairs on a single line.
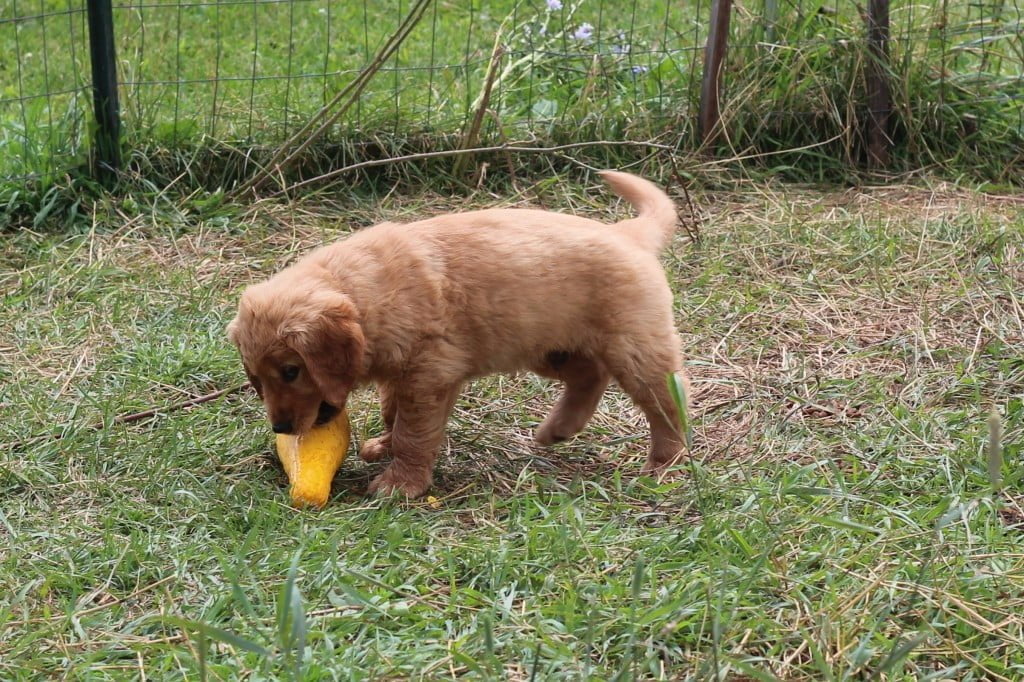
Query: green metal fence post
[[107, 138]]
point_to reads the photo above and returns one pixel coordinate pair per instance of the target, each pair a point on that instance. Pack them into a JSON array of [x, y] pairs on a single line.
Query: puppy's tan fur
[[420, 308]]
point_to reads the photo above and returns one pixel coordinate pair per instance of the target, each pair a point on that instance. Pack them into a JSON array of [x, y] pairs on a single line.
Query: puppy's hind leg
[[375, 449], [585, 382], [642, 368]]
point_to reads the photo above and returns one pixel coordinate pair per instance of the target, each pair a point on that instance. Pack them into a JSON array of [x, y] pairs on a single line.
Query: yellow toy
[[312, 459]]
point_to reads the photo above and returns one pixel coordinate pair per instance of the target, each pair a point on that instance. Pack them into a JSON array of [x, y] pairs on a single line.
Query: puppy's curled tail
[[654, 226]]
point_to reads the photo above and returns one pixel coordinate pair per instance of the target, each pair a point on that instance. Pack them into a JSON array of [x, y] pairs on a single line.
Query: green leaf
[[545, 108], [215, 633], [846, 524]]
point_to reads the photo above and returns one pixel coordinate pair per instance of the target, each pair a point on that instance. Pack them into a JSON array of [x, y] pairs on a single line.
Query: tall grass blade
[[291, 620], [487, 623], [678, 392], [638, 577], [203, 643], [898, 654], [994, 451]]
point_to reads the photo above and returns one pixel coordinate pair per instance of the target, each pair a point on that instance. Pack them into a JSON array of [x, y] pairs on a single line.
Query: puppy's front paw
[[376, 449], [401, 480]]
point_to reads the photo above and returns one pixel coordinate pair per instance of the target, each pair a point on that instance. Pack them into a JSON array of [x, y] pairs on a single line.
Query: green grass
[[837, 520]]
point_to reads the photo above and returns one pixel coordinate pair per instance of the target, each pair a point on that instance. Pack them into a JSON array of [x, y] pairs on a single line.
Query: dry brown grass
[[845, 348]]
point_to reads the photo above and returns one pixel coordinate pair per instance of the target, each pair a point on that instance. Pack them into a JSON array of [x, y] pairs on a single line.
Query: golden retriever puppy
[[420, 308]]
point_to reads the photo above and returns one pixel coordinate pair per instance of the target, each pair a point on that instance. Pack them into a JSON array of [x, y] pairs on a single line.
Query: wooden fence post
[[879, 97], [107, 140], [714, 54]]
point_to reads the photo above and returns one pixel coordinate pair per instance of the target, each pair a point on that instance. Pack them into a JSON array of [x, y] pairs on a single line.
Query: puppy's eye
[[289, 373]]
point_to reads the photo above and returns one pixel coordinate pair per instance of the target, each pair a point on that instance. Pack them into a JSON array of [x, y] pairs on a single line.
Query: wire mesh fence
[[44, 97], [243, 74]]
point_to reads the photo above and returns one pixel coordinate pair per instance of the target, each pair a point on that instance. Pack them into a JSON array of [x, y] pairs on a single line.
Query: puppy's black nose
[[281, 427]]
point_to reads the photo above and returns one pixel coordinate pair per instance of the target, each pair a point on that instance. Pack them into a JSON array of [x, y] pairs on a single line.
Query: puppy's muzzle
[[282, 427]]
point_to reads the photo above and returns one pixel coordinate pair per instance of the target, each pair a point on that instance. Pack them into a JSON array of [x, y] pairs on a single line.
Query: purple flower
[[554, 5], [637, 70], [583, 32]]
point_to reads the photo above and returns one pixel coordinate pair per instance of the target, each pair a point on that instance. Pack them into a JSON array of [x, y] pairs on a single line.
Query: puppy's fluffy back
[[501, 284]]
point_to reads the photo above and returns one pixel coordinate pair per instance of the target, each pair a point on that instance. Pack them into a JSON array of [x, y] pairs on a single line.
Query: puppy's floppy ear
[[328, 336]]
